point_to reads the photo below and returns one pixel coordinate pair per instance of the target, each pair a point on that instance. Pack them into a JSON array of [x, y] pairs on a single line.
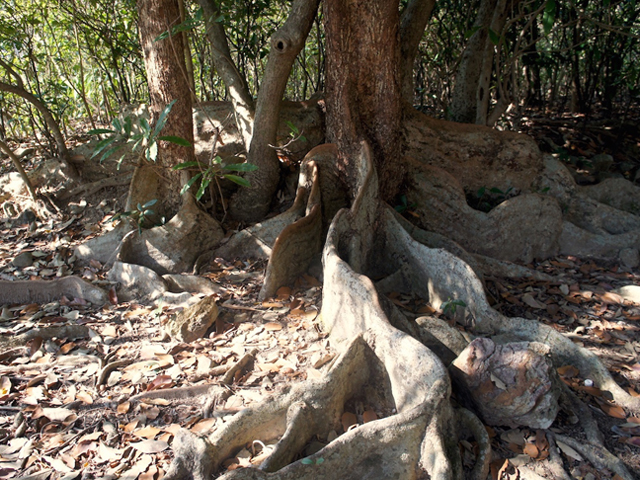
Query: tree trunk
[[465, 91], [166, 75], [363, 85], [251, 204], [235, 83], [412, 24], [69, 169]]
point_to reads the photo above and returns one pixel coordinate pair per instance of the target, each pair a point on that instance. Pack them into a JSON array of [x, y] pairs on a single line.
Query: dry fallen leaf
[[272, 326], [369, 416], [614, 411], [150, 446], [348, 419], [568, 451]]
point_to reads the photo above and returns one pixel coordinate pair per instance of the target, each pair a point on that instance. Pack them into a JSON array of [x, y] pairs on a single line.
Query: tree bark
[[464, 101], [413, 21], [363, 85], [166, 75], [251, 204], [235, 82]]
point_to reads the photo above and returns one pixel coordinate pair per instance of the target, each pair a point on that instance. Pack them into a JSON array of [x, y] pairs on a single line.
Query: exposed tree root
[[599, 456], [88, 189], [420, 439], [67, 331]]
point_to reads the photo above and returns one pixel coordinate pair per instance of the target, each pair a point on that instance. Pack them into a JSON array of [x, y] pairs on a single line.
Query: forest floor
[[68, 407]]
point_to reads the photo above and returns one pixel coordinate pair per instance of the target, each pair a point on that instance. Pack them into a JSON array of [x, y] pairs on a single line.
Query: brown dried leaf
[[531, 450], [369, 416], [272, 326], [113, 296], [150, 446], [348, 419], [614, 411], [568, 371], [149, 432], [203, 426]]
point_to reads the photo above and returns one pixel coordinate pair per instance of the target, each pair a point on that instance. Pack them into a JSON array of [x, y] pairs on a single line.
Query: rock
[[193, 322], [24, 259], [629, 292], [136, 282], [508, 384], [630, 257], [190, 283], [602, 162], [26, 217]]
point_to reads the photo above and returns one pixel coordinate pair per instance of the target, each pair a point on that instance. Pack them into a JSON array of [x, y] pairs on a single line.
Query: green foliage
[[217, 169], [450, 306], [403, 205], [309, 461], [549, 16], [140, 215], [146, 140]]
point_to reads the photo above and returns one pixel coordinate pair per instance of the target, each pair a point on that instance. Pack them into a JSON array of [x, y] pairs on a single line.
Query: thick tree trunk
[[166, 74], [363, 85]]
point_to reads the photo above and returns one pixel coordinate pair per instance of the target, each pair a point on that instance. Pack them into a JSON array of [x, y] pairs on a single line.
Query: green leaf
[[496, 191], [236, 179], [183, 165], [150, 203], [100, 131], [191, 181], [240, 167], [307, 461], [494, 37], [116, 124], [319, 460], [549, 16], [293, 128], [127, 126], [109, 152], [162, 36], [144, 123], [101, 145], [176, 140], [469, 33], [203, 187], [162, 119], [481, 191]]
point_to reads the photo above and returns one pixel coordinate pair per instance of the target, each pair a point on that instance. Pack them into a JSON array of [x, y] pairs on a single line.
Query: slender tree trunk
[[363, 85], [16, 163], [464, 100], [412, 24], [70, 170], [167, 80], [234, 81], [187, 55], [251, 204]]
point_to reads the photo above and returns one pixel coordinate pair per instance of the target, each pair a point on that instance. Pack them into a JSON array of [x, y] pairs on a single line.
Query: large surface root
[[422, 437]]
